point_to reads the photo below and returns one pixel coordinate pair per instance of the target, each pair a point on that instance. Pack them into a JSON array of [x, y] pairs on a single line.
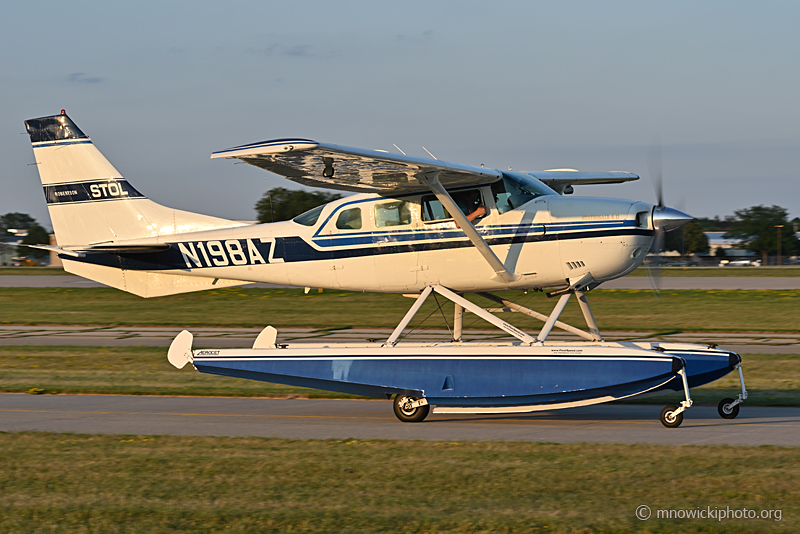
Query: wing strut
[[432, 181]]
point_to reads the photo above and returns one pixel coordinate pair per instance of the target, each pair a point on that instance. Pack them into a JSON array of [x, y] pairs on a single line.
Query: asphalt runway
[[627, 282], [218, 338], [342, 419]]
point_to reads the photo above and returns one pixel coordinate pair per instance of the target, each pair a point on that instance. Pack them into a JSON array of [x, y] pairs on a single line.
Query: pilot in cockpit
[[471, 204]]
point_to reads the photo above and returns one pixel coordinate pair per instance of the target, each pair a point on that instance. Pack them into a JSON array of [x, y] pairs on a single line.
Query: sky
[[529, 85]]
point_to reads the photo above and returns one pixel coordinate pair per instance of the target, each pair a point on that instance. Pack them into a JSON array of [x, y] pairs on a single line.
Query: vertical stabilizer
[[89, 200]]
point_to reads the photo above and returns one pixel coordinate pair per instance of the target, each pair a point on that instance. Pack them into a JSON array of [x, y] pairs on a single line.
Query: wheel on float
[[727, 410], [406, 413], [669, 418]]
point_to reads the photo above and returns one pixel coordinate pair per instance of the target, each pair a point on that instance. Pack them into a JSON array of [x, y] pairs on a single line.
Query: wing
[[354, 169], [560, 179]]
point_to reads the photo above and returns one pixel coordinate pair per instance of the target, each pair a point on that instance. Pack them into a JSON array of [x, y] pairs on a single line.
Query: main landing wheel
[[669, 418], [407, 414], [726, 410]]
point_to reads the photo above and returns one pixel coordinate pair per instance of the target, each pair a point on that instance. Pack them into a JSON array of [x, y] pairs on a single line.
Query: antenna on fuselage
[[398, 148], [429, 153]]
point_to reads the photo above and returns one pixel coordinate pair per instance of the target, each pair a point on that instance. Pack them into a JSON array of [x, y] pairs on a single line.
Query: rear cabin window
[[396, 213], [349, 219], [432, 209]]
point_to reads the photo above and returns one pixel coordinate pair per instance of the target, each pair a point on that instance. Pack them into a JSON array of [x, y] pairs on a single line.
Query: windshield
[[310, 217], [512, 192]]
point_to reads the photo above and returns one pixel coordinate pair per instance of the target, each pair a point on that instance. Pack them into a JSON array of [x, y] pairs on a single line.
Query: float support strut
[[483, 314], [458, 322], [536, 315], [587, 314], [409, 315], [551, 321]]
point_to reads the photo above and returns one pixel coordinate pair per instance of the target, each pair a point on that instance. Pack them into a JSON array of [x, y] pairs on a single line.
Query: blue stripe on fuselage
[[224, 253]]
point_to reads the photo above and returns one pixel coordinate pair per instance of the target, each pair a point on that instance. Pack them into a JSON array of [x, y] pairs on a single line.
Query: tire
[[726, 411], [668, 419], [413, 415]]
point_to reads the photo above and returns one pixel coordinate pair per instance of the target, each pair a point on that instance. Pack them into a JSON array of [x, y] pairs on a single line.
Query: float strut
[[458, 322], [551, 321], [409, 315], [587, 314]]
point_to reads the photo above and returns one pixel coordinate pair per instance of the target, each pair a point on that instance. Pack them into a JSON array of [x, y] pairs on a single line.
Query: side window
[[394, 213], [509, 195], [432, 209], [349, 219]]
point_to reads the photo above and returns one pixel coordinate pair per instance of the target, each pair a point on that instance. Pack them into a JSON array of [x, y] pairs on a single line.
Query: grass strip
[[161, 484], [125, 371], [33, 271], [616, 310], [772, 379]]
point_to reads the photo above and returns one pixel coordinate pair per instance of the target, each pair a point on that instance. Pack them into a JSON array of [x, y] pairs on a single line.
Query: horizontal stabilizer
[[80, 252], [147, 284], [560, 179]]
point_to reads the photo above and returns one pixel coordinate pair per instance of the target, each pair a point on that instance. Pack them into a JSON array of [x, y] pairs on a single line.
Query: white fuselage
[[547, 241]]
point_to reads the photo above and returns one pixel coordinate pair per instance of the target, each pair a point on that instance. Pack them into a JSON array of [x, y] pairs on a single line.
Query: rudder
[[88, 199]]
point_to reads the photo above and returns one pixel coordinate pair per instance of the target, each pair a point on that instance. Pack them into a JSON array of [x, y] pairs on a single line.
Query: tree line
[[37, 235]]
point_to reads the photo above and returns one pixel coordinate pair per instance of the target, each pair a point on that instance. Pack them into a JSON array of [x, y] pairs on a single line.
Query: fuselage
[[368, 242]]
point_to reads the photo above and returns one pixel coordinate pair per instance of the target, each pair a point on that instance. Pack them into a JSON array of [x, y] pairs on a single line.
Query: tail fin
[[89, 201]]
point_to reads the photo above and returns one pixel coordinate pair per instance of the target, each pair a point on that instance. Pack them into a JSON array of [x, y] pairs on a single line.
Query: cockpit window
[[511, 192], [310, 217]]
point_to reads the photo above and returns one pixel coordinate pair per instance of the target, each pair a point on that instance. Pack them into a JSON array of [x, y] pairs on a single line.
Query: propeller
[[656, 176], [664, 218]]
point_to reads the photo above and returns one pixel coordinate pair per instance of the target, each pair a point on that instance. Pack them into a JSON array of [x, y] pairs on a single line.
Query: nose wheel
[[672, 416], [728, 408], [410, 409]]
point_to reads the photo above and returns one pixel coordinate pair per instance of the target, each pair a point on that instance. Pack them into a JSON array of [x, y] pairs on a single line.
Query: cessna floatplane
[[415, 226]]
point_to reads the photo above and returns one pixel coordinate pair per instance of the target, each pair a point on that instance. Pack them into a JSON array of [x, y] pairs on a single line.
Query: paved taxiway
[[215, 337], [341, 419]]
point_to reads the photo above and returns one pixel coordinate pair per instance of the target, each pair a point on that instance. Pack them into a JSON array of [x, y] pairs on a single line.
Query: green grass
[[160, 484], [124, 371], [748, 272], [33, 271], [772, 379], [620, 310]]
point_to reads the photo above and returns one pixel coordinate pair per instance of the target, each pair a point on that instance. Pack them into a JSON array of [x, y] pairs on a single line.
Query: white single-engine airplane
[[417, 226]]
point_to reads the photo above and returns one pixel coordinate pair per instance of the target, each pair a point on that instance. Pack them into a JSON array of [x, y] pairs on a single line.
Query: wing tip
[[272, 146]]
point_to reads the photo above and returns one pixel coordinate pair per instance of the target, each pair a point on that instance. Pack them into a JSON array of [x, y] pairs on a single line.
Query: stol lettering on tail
[[415, 226]]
